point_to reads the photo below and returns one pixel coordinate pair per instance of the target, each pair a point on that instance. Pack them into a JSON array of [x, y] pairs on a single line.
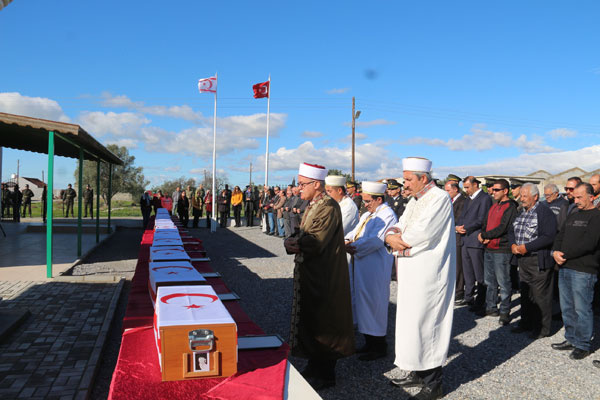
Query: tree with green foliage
[[126, 178], [334, 171]]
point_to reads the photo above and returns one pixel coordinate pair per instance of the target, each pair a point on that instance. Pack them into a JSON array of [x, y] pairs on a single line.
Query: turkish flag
[[261, 90]]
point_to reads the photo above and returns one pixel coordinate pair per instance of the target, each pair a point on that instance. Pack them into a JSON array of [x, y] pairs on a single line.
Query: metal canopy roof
[[31, 134]]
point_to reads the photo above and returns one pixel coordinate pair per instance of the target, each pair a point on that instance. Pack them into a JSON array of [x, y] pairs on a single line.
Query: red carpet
[[261, 373]]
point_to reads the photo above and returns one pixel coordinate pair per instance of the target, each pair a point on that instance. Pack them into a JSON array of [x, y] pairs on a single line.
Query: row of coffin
[[196, 337]]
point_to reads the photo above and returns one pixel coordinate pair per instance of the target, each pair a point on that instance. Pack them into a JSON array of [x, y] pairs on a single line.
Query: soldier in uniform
[[6, 200], [393, 198], [27, 196], [88, 201], [17, 198], [70, 195], [352, 190], [63, 197], [44, 201]]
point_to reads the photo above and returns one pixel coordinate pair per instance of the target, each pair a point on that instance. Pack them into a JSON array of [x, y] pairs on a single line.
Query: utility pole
[[355, 116], [18, 162], [250, 182]]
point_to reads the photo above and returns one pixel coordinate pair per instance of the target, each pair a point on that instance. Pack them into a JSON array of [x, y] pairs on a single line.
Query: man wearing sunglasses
[[570, 207], [497, 253]]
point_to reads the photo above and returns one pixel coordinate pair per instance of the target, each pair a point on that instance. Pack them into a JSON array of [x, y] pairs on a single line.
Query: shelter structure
[[61, 139]]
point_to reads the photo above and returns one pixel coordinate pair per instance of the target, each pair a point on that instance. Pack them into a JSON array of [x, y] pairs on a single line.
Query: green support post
[[109, 193], [79, 201], [49, 204], [98, 201]]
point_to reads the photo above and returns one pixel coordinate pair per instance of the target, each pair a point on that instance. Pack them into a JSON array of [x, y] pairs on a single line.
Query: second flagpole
[[213, 222], [268, 118]]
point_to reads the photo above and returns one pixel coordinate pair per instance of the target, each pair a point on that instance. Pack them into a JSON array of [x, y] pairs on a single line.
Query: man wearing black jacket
[[469, 227], [496, 258], [577, 252], [531, 237], [458, 204]]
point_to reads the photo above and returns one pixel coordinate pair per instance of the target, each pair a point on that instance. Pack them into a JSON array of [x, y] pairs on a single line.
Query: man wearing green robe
[[321, 328]]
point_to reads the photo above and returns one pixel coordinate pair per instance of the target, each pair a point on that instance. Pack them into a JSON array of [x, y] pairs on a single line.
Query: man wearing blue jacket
[[531, 237], [469, 226]]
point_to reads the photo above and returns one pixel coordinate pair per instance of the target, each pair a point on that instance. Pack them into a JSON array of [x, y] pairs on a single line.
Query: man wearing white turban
[[425, 245], [321, 328]]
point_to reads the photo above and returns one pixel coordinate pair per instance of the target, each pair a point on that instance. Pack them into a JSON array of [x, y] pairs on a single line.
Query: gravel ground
[[485, 360]]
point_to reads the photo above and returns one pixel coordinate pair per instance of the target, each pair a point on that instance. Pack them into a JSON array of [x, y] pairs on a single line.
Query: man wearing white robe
[[335, 186], [425, 245], [372, 267]]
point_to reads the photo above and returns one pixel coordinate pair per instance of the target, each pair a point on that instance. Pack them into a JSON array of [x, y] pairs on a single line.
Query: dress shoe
[[428, 393], [563, 346], [319, 383], [410, 380], [578, 354], [372, 355], [463, 302], [538, 335], [596, 363], [519, 329], [365, 349], [504, 319], [475, 308], [487, 313]]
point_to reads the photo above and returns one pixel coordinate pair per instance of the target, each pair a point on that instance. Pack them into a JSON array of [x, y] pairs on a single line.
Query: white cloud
[[182, 112], [125, 124], [337, 91], [561, 133], [129, 143], [585, 158], [174, 168], [482, 139], [357, 136], [311, 134], [368, 157], [37, 107], [374, 122]]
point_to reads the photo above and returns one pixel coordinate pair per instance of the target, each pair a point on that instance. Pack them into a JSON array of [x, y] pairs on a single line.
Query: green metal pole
[[109, 193], [79, 201], [98, 201], [49, 204]]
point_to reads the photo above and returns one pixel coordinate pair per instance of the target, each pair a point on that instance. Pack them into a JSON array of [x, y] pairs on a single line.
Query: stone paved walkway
[[54, 354]]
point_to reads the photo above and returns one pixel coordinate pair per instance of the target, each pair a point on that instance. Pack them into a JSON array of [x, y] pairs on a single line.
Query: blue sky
[[478, 87]]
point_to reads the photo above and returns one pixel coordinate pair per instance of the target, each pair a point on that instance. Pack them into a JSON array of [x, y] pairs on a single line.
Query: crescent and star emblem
[[171, 266], [213, 298]]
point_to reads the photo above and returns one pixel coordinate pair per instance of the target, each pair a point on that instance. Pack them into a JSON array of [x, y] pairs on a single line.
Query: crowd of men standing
[[469, 245]]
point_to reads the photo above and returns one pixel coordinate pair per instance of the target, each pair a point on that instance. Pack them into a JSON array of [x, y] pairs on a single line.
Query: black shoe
[[563, 346], [319, 383], [365, 349], [504, 319], [520, 329], [578, 354], [410, 380], [596, 363], [475, 308], [462, 302], [373, 355], [487, 313], [538, 335], [428, 393]]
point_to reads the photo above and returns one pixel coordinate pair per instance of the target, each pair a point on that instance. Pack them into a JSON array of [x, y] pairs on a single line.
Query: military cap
[[452, 177], [515, 183], [351, 184], [393, 184]]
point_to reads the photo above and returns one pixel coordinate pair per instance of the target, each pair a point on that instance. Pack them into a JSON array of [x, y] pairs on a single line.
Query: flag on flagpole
[[208, 85], [261, 90]]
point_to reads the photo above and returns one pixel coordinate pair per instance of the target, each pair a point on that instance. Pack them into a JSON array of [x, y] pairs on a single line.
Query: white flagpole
[[268, 119], [213, 221]]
